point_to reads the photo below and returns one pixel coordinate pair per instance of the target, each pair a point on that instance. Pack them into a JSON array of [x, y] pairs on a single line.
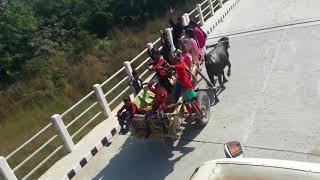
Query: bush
[[99, 23]]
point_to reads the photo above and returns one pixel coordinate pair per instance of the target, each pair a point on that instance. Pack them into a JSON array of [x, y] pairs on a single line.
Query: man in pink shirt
[[194, 49], [200, 35]]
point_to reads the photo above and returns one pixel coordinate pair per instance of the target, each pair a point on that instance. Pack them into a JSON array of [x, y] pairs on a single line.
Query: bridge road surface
[[271, 103]]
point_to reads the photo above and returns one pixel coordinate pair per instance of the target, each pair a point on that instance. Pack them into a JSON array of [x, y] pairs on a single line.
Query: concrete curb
[[104, 142]]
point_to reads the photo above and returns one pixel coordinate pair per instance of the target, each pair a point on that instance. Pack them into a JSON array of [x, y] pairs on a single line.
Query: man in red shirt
[[126, 113]]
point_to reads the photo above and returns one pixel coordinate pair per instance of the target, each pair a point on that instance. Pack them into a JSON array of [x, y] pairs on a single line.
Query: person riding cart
[[126, 113], [159, 106]]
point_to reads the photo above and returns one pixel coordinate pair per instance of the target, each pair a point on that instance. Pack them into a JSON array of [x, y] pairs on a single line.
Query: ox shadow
[[143, 159]]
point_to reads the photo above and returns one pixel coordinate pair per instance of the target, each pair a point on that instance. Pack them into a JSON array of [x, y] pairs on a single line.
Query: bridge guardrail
[[98, 103]]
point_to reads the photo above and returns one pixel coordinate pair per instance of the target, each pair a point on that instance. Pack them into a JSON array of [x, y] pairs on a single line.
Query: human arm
[[120, 111], [195, 47], [150, 53]]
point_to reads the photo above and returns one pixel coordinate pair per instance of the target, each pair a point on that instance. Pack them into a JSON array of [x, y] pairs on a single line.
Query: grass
[[26, 107]]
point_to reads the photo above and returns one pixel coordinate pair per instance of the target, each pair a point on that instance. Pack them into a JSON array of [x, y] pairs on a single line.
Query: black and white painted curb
[[104, 142]]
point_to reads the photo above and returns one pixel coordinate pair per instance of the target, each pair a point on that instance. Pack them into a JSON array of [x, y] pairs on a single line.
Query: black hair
[[190, 33], [155, 51], [193, 23], [126, 99], [134, 72]]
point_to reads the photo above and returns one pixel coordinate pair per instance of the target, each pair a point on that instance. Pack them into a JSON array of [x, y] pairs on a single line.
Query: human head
[[185, 47], [192, 23], [173, 58], [156, 53], [189, 33], [135, 74], [127, 101]]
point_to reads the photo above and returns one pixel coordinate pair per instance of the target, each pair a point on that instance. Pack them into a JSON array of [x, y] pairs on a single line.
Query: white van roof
[[252, 168]]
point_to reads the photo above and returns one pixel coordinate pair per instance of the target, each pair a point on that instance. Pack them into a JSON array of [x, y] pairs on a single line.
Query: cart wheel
[[204, 104]]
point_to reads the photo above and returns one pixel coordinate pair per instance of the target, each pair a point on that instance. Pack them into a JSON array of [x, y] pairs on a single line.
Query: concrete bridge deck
[[271, 104]]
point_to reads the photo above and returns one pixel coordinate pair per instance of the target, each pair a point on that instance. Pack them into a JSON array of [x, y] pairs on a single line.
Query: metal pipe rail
[[116, 86], [203, 2], [125, 90], [34, 153], [86, 124], [77, 104], [203, 10], [207, 15], [114, 75], [27, 142], [216, 6], [42, 162], [194, 10], [81, 114]]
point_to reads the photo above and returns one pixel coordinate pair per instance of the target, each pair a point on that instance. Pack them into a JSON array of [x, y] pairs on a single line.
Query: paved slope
[[271, 102]]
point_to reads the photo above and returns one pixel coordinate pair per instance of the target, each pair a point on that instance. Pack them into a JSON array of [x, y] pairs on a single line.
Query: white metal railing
[[81, 114], [28, 141], [62, 131]]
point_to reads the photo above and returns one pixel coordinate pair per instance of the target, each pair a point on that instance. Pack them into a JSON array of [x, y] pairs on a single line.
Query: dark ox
[[216, 60]]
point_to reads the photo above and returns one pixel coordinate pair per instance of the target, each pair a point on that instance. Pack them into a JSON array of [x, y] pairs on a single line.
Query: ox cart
[[168, 124]]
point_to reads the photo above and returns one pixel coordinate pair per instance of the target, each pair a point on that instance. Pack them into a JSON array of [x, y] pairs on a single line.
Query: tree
[[17, 25]]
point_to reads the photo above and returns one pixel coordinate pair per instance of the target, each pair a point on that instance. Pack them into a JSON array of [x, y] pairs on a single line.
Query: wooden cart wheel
[[204, 104]]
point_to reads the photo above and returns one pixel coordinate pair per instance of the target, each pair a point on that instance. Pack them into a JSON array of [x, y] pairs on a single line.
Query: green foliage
[[99, 23], [17, 25], [33, 29]]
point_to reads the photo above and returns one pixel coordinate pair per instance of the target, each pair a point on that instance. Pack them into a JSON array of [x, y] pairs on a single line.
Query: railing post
[[211, 7], [62, 132], [102, 100], [128, 68], [186, 15], [5, 170], [170, 38], [184, 21], [149, 46], [220, 3], [200, 14]]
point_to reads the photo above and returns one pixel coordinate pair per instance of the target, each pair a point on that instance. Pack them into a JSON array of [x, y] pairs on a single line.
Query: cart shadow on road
[[143, 159]]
